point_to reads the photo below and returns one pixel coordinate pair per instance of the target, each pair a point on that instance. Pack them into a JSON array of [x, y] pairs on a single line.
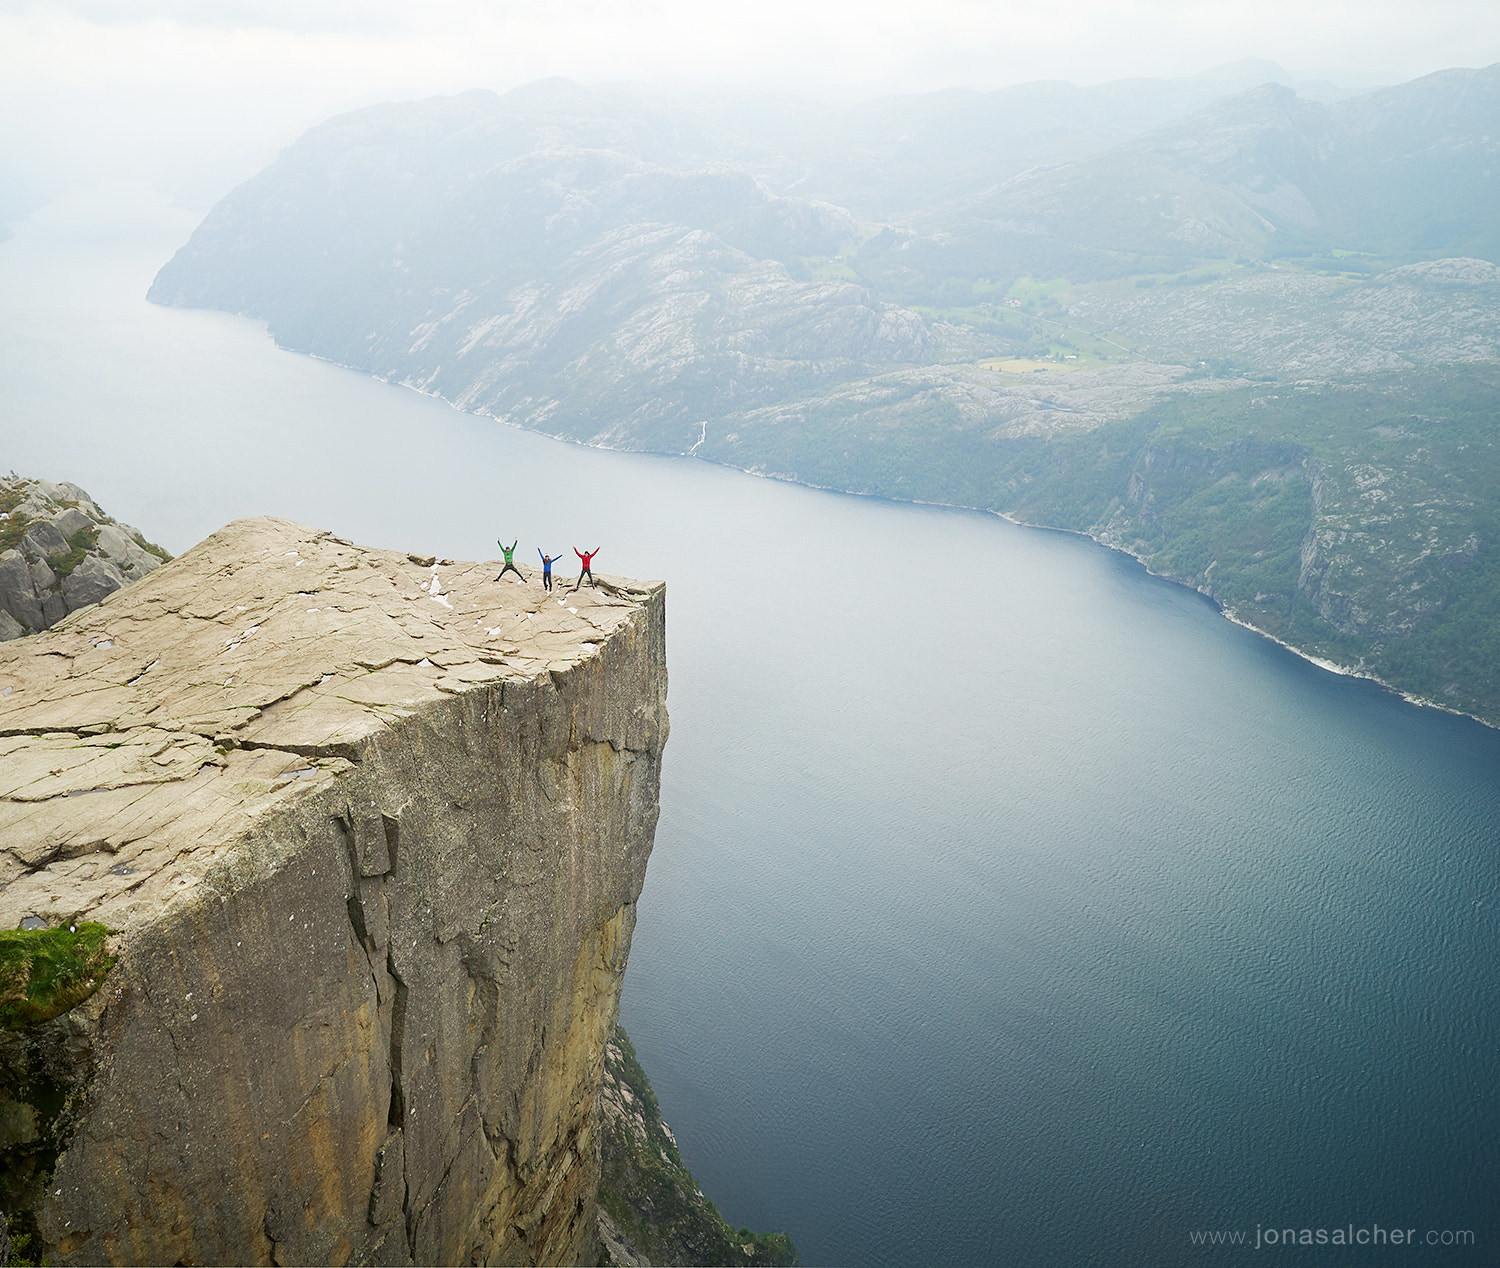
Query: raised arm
[[580, 554]]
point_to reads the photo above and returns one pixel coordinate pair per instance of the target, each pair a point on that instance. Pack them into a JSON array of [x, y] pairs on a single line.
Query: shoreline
[[1333, 667]]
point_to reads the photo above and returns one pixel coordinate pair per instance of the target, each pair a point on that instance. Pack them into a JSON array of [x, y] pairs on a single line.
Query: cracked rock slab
[[369, 834]]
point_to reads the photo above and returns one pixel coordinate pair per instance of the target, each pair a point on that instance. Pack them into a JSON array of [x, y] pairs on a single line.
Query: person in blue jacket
[[547, 562]]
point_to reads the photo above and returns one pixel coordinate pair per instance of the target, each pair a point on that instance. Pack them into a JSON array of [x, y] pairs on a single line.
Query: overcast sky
[[197, 94]]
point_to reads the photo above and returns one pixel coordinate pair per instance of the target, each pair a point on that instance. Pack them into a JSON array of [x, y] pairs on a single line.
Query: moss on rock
[[46, 972]]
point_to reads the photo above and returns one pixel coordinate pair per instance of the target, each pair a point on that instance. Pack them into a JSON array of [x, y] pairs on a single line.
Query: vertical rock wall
[[379, 922]]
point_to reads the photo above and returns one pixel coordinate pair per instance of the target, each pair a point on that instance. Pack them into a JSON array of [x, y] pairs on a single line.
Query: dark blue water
[[1008, 905]]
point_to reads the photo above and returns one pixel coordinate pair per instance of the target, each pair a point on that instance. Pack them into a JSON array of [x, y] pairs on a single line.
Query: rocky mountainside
[[324, 862], [1298, 323], [650, 276], [620, 269], [59, 552], [581, 291]]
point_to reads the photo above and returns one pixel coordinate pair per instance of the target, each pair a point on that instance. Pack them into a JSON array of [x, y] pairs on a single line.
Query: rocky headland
[[59, 552], [324, 862]]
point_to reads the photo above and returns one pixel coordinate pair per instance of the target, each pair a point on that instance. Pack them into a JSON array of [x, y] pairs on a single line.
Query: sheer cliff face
[[370, 834]]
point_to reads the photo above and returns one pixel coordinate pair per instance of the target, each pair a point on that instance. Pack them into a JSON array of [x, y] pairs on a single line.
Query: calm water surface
[[1008, 905]]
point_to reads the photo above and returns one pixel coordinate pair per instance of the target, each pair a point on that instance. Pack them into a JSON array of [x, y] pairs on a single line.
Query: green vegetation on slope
[[648, 1192], [45, 972]]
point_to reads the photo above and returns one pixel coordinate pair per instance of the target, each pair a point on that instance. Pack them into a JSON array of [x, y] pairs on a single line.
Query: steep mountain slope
[[618, 300]]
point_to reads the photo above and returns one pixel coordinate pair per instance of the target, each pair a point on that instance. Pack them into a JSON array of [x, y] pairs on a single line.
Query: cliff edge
[[367, 832]]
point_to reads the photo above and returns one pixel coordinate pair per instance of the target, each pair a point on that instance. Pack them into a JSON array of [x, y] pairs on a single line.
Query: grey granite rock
[[91, 581], [42, 577], [9, 627], [18, 592], [71, 520], [116, 545], [43, 539], [53, 516], [72, 493], [123, 550]]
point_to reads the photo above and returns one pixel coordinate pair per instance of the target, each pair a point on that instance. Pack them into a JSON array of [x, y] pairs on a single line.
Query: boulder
[[9, 627], [42, 577], [72, 493], [71, 521], [133, 560], [91, 581], [17, 591], [43, 539], [141, 558]]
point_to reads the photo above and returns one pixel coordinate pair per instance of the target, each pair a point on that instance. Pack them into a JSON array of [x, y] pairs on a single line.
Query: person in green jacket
[[510, 563]]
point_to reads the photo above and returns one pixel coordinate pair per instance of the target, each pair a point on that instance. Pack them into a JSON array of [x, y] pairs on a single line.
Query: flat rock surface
[[143, 732]]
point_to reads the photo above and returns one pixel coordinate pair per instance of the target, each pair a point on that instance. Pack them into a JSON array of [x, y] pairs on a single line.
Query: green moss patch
[[45, 972]]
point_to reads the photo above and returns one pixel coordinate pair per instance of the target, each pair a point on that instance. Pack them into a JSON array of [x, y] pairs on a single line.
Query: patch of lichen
[[46, 972], [652, 1196]]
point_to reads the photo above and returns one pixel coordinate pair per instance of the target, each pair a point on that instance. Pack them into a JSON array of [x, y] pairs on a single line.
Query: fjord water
[[1008, 905]]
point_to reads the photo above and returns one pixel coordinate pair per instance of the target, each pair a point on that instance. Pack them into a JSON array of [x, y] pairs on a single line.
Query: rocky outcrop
[[369, 832], [651, 1210], [59, 552]]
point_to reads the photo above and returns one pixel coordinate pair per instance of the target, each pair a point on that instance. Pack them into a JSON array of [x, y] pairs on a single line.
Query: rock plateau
[[368, 832]]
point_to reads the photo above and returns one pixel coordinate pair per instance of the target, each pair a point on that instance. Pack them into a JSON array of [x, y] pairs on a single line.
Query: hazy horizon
[[194, 97]]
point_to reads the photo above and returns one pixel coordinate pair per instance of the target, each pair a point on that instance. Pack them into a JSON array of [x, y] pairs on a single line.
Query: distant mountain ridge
[[1400, 172]]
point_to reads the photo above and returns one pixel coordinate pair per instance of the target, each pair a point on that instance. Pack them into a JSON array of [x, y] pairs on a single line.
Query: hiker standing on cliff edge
[[587, 572], [547, 562], [510, 565]]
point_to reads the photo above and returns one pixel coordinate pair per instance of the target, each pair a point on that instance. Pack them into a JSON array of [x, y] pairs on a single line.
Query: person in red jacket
[[587, 572]]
